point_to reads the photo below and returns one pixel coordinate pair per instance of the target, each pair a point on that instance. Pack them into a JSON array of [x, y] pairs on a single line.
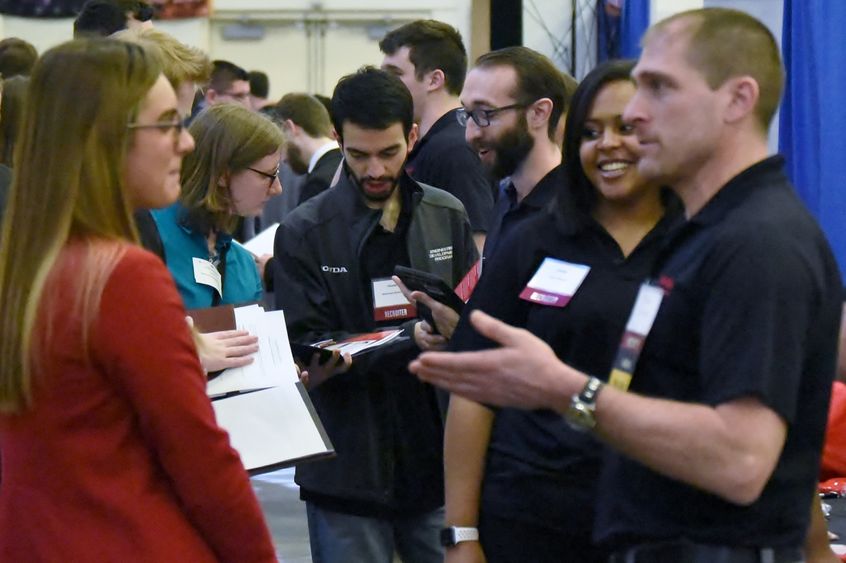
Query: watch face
[[580, 416], [447, 537]]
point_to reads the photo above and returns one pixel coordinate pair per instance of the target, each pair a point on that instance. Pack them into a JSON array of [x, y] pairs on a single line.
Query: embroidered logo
[[334, 269], [441, 254]]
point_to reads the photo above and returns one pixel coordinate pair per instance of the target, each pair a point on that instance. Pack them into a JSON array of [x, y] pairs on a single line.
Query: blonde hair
[[180, 62], [68, 185], [228, 138]]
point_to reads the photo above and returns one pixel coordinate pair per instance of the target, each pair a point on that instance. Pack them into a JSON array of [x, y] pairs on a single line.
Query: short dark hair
[[582, 194], [104, 17], [373, 99], [725, 43], [537, 78], [224, 74], [17, 57], [431, 45], [305, 111], [259, 84]]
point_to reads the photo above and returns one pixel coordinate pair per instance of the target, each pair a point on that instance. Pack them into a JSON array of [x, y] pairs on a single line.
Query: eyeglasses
[[240, 96], [482, 117], [272, 177], [175, 126]]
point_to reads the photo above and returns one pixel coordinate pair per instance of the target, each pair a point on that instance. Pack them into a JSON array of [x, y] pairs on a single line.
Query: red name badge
[[389, 304]]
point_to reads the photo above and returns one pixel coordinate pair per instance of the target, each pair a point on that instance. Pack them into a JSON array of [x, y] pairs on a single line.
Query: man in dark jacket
[[310, 148], [335, 255]]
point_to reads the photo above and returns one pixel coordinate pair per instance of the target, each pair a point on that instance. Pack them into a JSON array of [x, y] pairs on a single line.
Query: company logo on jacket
[[441, 254], [334, 269]]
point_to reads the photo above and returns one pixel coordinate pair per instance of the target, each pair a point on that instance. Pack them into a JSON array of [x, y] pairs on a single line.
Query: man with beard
[[335, 255], [512, 101], [430, 59], [310, 149]]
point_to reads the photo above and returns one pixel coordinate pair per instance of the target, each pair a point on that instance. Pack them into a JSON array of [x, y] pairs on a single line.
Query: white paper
[[361, 342], [206, 274], [272, 365], [270, 427], [262, 243]]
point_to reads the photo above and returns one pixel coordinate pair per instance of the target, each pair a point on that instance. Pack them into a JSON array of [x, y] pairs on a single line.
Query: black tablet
[[431, 285]]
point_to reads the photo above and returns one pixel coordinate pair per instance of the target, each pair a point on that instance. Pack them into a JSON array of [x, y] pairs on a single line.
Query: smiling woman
[[231, 174]]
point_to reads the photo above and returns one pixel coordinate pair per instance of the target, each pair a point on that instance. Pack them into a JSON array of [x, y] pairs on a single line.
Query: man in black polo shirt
[[719, 434], [512, 102], [334, 257], [430, 59]]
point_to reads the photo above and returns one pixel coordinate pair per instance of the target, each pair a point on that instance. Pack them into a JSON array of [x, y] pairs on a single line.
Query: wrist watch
[[454, 535], [580, 414]]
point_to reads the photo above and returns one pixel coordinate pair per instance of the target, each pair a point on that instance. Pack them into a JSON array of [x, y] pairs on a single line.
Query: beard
[[296, 160], [510, 149], [376, 196]]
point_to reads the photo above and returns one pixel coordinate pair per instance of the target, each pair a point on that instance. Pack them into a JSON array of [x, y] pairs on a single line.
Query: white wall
[[306, 45]]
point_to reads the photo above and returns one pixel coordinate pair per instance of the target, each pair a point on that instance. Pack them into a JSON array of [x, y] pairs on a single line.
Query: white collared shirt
[[319, 153]]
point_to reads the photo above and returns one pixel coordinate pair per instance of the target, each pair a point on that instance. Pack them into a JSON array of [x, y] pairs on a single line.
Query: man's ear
[[412, 136], [211, 96], [289, 127], [435, 80], [743, 95], [539, 113]]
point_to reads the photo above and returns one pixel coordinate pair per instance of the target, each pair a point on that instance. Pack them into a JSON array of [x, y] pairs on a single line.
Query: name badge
[[641, 319], [206, 274], [555, 283], [389, 303]]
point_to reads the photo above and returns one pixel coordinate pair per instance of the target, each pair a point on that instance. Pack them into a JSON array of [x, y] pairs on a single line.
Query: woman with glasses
[[527, 480], [110, 447], [231, 174]]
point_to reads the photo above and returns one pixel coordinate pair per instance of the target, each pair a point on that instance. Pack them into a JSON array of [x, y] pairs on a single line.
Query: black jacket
[[378, 409], [319, 179]]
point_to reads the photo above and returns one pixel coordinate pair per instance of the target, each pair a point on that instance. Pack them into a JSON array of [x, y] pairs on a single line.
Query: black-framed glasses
[[482, 117], [175, 126], [271, 177]]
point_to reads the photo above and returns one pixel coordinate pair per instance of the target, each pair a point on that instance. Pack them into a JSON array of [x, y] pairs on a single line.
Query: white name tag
[[645, 309], [555, 283], [389, 303], [206, 274], [641, 319]]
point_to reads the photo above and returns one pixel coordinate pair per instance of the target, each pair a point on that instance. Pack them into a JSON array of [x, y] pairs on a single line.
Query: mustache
[[377, 179]]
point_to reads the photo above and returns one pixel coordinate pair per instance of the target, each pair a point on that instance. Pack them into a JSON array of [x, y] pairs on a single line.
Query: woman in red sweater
[[110, 450]]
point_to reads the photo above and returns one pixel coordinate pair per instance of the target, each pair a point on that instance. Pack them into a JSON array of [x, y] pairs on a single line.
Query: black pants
[[511, 541]]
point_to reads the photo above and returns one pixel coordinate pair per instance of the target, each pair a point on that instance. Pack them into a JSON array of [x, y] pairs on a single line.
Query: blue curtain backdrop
[[812, 125], [620, 24]]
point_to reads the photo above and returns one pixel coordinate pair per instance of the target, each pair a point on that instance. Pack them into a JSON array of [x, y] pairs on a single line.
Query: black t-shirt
[[443, 159], [538, 469], [753, 311], [509, 213]]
